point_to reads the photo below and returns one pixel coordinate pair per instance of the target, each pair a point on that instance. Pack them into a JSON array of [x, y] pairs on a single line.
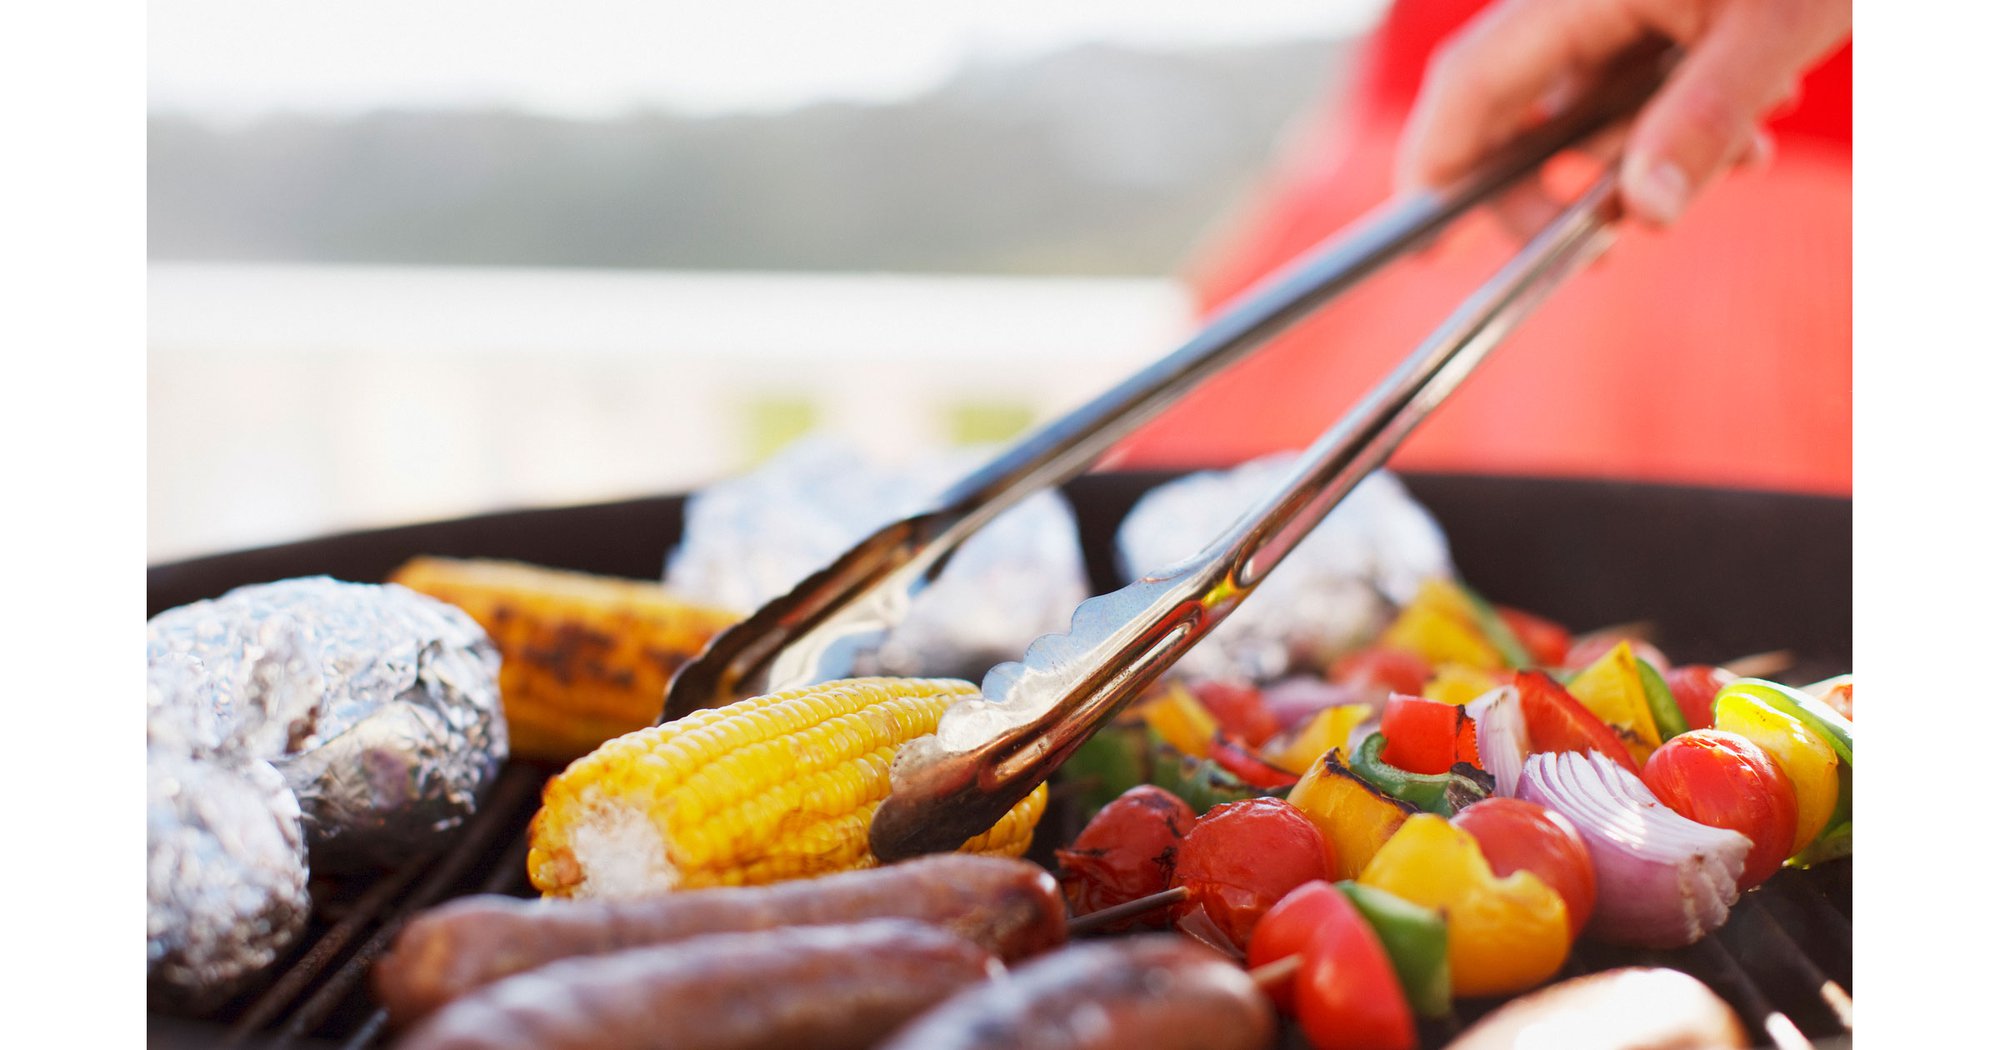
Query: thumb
[[1707, 113]]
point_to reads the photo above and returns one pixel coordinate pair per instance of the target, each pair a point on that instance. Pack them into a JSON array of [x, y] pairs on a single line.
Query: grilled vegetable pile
[[1437, 816]]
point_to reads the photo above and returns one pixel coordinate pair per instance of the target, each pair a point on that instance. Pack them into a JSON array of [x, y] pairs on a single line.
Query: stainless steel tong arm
[[988, 753], [815, 632]]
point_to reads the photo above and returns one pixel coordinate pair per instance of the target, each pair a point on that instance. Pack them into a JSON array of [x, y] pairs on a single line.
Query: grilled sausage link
[[1160, 991], [836, 987], [1013, 908]]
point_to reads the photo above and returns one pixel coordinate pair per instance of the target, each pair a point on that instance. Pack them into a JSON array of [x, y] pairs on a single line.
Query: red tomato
[[1557, 722], [1517, 835], [1694, 687], [1242, 857], [1230, 753], [1126, 852], [1427, 736], [1347, 993], [1391, 669], [1288, 928], [1721, 779], [1239, 709], [1547, 641]]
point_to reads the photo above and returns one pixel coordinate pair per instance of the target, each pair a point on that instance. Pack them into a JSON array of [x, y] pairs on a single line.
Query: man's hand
[[1522, 59]]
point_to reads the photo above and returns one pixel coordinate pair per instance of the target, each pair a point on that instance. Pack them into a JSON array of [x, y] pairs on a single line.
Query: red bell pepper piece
[[1232, 754], [1378, 668], [1547, 641], [1427, 736], [1557, 722], [1239, 709]]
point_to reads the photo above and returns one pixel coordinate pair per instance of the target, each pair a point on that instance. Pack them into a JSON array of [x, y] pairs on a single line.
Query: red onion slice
[[1663, 881], [1503, 736]]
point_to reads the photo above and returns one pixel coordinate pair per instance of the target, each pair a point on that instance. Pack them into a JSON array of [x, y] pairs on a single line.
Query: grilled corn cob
[[582, 658], [774, 787]]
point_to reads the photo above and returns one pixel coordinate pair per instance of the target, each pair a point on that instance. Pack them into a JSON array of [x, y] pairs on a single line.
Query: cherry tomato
[[1126, 852], [1347, 994], [1547, 641], [1287, 929], [1721, 779], [1427, 736], [1242, 857], [1517, 835], [1392, 669], [1239, 709], [1557, 722], [1694, 687], [1230, 753]]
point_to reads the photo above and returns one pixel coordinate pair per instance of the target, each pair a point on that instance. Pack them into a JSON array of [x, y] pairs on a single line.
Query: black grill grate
[[1579, 552]]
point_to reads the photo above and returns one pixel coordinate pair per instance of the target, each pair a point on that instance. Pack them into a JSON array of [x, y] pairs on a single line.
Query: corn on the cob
[[583, 658], [774, 787]]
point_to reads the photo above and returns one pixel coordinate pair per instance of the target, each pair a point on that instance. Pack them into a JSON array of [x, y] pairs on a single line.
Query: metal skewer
[[815, 632], [988, 753]]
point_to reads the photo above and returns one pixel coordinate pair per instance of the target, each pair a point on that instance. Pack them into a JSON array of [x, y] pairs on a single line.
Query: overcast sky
[[600, 57]]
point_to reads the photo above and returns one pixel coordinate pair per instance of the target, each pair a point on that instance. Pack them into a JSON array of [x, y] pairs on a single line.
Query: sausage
[[1635, 1008], [1013, 908], [1159, 991], [837, 987]]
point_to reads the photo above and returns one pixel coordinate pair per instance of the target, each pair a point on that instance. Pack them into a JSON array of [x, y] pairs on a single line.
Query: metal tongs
[[989, 753]]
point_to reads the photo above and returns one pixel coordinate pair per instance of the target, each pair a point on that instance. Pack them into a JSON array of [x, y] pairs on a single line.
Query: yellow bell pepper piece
[[1324, 732], [1436, 636], [1459, 684], [1807, 759], [1181, 721], [1502, 935], [1613, 691], [1354, 816]]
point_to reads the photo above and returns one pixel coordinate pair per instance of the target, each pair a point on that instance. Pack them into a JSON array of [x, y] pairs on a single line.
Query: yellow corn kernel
[[774, 787], [582, 658]]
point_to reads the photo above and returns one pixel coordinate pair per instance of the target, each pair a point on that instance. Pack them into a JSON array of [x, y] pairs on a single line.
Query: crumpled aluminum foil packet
[[225, 876], [300, 723], [380, 706], [1334, 591], [752, 538]]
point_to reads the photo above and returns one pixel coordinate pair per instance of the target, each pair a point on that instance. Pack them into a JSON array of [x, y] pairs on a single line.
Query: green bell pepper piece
[[1441, 793], [1496, 630], [1667, 715], [1199, 782], [1414, 937], [1113, 760]]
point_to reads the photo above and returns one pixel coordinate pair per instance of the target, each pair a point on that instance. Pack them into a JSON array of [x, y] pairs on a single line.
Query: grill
[[1701, 564]]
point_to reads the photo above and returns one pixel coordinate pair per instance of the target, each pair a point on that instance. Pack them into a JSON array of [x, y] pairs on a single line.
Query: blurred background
[[419, 260], [412, 261]]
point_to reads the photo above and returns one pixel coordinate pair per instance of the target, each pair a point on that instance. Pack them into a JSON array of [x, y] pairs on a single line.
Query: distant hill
[[1095, 160]]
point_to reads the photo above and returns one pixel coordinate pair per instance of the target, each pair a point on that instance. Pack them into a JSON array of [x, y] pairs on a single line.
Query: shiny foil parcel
[[378, 705], [751, 538], [225, 875], [1330, 595]]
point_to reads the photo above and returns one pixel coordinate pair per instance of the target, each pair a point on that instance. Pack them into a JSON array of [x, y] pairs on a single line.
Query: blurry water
[[289, 401]]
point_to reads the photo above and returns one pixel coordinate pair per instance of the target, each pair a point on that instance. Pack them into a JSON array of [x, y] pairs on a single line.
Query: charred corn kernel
[[582, 658], [774, 787]]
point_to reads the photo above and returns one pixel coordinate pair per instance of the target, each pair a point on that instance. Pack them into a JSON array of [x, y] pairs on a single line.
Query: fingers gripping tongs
[[990, 752]]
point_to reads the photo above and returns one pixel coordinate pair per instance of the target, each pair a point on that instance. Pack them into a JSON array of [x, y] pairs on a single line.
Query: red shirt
[[1717, 352]]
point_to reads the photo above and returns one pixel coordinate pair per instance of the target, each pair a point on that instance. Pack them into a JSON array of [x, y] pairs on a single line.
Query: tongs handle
[[814, 632], [989, 753]]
